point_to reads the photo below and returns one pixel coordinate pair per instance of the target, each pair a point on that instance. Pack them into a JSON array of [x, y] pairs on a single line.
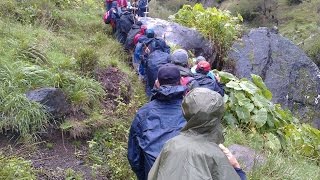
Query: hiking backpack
[[125, 22], [131, 35], [153, 44], [155, 60], [206, 82], [111, 16]]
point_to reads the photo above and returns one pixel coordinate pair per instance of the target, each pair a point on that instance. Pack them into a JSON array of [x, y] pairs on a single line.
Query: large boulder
[[291, 76], [53, 99], [247, 157], [181, 36]]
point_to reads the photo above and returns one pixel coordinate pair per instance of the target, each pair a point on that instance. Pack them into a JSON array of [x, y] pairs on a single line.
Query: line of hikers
[[139, 7], [178, 133]]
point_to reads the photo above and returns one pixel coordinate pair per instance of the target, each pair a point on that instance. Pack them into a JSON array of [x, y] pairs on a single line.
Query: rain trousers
[[194, 154], [155, 123]]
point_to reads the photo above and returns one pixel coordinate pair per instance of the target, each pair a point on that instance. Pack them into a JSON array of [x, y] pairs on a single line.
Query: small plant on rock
[[220, 27]]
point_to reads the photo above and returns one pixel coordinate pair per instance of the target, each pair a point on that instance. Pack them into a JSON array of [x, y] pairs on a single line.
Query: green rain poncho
[[194, 154]]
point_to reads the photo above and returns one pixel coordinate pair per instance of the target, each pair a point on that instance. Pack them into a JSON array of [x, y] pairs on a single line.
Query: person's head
[[114, 4], [203, 109], [150, 33], [203, 67], [180, 57], [200, 58], [168, 74], [143, 29]]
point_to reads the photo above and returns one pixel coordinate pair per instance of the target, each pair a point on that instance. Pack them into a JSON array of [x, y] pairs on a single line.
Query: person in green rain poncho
[[195, 154]]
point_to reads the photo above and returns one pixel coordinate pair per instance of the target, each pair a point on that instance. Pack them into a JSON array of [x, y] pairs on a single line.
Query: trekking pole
[[145, 13], [134, 9]]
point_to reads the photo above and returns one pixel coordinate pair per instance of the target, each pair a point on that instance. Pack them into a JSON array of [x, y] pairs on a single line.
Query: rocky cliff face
[[181, 36], [291, 76]]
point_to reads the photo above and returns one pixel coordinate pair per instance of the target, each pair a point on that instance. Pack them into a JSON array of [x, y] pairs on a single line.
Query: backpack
[[125, 22], [130, 38], [153, 44], [206, 82], [155, 60], [111, 18], [189, 82]]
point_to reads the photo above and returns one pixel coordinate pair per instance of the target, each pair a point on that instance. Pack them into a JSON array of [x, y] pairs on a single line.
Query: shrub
[[313, 49], [220, 27], [87, 61], [248, 107], [15, 168]]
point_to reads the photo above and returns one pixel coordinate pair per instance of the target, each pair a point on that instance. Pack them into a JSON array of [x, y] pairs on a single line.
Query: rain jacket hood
[[203, 110], [167, 92], [185, 72], [194, 154]]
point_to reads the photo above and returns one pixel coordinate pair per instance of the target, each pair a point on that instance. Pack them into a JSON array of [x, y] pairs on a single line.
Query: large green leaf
[[257, 80], [243, 113], [260, 118], [267, 94], [260, 101], [233, 100], [226, 77], [234, 85], [240, 96], [230, 119], [225, 98], [244, 101], [248, 86], [273, 142], [270, 119]]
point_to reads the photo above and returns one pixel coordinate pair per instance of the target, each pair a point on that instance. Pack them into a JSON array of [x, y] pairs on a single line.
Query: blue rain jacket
[[155, 123]]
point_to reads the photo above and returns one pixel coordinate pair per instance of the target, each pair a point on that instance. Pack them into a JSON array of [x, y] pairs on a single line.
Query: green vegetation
[[249, 108], [38, 55], [278, 165], [164, 8], [216, 25], [62, 43], [15, 168]]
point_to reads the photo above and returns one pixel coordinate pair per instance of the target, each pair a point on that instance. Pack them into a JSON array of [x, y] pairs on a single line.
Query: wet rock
[[181, 36], [208, 3], [247, 157], [291, 76], [53, 99]]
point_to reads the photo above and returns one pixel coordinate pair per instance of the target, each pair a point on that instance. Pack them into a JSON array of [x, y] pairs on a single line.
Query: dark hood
[[203, 110], [167, 93], [135, 26], [185, 72]]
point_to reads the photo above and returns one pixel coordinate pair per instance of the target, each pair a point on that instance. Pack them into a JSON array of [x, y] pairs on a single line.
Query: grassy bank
[[64, 44]]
